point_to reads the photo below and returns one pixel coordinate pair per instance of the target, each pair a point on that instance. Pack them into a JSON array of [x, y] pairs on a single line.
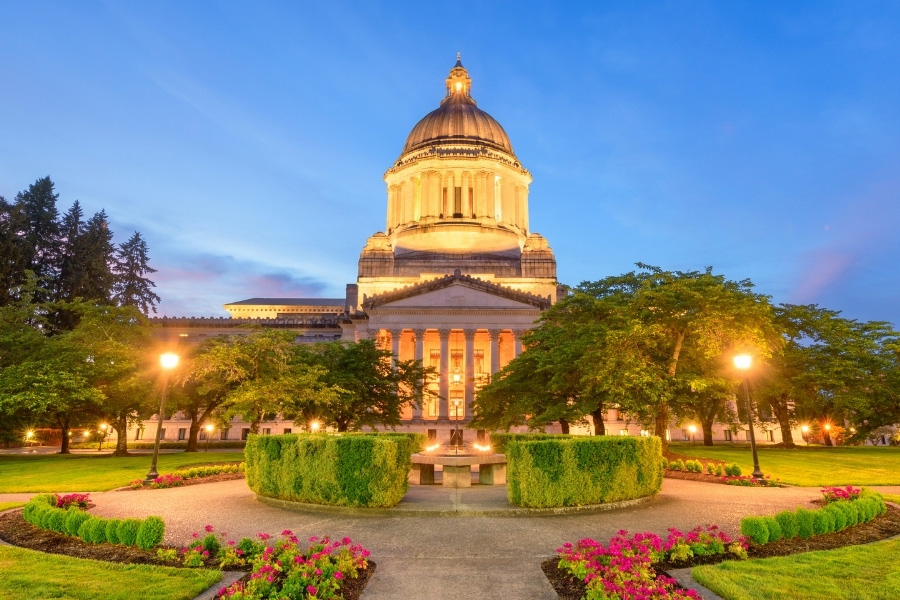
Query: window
[[727, 435], [434, 359], [479, 363], [162, 433], [769, 435], [224, 434], [472, 201], [457, 405], [481, 435], [432, 434], [645, 433], [182, 434], [456, 437], [685, 435], [202, 435], [267, 431], [287, 430], [457, 202], [623, 432], [139, 434], [244, 433], [456, 361]]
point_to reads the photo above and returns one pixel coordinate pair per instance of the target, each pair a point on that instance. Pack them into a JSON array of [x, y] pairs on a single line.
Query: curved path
[[451, 557]]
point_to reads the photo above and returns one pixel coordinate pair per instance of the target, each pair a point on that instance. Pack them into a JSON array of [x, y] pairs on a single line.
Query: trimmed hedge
[[345, 470], [580, 470], [500, 440], [804, 523]]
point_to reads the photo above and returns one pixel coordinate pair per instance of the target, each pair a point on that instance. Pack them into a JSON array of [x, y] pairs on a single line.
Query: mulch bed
[[704, 476], [882, 527], [194, 481], [16, 531]]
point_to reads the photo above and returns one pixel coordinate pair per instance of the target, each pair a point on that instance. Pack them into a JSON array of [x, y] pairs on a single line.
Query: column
[[518, 342], [470, 371], [420, 355], [495, 350], [443, 410], [395, 346]]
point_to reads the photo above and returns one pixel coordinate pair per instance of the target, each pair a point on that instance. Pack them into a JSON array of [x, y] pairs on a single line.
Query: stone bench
[[458, 468]]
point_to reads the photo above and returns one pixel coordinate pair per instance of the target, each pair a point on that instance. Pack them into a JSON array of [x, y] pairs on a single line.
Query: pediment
[[457, 291]]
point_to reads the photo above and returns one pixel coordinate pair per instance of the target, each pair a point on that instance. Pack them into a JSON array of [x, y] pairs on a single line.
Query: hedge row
[[143, 445], [577, 470], [209, 470], [804, 523], [500, 440], [41, 512], [344, 470]]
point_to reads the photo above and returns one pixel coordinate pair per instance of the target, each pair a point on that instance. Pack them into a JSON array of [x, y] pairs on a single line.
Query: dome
[[458, 119]]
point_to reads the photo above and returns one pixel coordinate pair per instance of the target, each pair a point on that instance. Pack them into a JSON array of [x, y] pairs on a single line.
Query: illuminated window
[[457, 202], [434, 359], [623, 432], [457, 405], [456, 361], [769, 435], [727, 435], [645, 433], [479, 362]]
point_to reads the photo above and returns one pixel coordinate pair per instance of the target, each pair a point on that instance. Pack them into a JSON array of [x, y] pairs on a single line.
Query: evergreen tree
[[71, 230], [13, 258], [41, 228], [132, 288]]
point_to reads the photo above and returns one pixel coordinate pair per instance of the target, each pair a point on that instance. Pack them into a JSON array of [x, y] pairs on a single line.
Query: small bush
[[128, 531], [57, 520], [84, 532], [733, 470], [719, 471], [755, 528], [679, 465], [211, 544], [150, 534], [805, 523], [839, 517], [73, 501], [46, 517], [788, 522], [97, 531], [664, 462], [774, 528], [74, 519], [112, 530], [710, 469], [823, 522]]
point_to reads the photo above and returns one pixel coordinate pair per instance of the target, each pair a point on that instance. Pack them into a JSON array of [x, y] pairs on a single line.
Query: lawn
[[813, 466], [9, 505], [35, 575], [852, 573], [86, 473]]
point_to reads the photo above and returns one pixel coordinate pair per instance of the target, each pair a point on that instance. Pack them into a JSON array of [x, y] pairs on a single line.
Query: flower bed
[[192, 475], [624, 569]]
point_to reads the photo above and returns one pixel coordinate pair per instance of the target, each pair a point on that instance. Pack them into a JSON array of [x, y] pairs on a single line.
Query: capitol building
[[454, 279]]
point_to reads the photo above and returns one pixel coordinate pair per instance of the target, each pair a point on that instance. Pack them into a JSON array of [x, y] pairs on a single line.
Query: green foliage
[[112, 530], [838, 516], [579, 470], [774, 528], [211, 544], [756, 529], [86, 528], [128, 531], [823, 522], [679, 465], [347, 470], [150, 533], [733, 470], [499, 440], [74, 520], [805, 523], [788, 522], [57, 520], [710, 469], [97, 531], [719, 470]]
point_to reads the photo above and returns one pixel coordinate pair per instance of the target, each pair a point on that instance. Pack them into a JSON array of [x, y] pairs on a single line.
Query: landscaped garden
[[813, 466], [86, 473]]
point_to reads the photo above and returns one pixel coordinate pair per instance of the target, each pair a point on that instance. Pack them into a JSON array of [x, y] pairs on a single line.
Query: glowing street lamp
[[209, 430], [743, 362], [167, 361], [102, 432], [29, 437], [314, 426], [804, 430]]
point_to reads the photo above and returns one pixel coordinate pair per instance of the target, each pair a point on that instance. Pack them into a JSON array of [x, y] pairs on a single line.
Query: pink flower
[[338, 575], [208, 528], [311, 589]]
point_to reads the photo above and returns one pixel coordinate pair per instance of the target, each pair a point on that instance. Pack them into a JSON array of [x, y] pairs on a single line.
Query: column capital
[[373, 333], [445, 333], [396, 332], [495, 332], [469, 333], [419, 333], [519, 333]]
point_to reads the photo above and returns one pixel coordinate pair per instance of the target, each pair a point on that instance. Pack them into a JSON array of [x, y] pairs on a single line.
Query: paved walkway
[[468, 557]]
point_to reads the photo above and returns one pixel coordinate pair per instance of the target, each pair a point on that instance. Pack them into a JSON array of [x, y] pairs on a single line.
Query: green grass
[[35, 575], [85, 473], [813, 466], [9, 505], [892, 498], [852, 573]]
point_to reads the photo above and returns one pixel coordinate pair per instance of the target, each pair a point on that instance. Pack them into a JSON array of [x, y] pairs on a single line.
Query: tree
[[40, 232], [364, 388], [132, 287], [13, 255]]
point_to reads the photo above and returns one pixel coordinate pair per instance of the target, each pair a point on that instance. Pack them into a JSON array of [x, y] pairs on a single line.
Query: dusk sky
[[247, 140]]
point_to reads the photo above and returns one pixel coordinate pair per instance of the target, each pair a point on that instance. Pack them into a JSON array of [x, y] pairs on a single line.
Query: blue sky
[[247, 141]]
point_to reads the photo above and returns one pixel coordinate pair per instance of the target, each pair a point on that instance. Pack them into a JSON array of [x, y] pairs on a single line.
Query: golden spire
[[459, 85]]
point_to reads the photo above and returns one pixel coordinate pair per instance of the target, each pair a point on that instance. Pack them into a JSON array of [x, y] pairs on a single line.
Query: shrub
[[838, 516], [46, 515], [150, 533], [823, 522], [500, 440], [755, 529], [57, 520], [774, 528], [211, 544], [710, 469], [346, 470], [86, 529], [805, 523], [74, 519], [580, 470], [664, 462], [719, 471], [77, 500], [788, 522], [128, 531], [112, 530], [680, 465], [97, 531], [733, 470]]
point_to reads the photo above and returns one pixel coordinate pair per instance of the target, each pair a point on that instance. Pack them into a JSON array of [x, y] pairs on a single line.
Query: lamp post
[[804, 431], [102, 431], [456, 403], [314, 427], [209, 430], [743, 362], [29, 437], [693, 430], [167, 361]]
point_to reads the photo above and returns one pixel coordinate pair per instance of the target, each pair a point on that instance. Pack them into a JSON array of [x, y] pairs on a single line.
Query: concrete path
[[464, 557]]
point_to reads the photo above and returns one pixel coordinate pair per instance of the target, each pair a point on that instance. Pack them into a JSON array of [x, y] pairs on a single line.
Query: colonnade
[[463, 357]]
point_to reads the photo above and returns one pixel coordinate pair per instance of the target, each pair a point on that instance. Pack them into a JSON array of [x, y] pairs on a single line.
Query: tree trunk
[[826, 437], [707, 432], [64, 421], [662, 413], [564, 426], [342, 426], [120, 424], [597, 417], [782, 413], [192, 434]]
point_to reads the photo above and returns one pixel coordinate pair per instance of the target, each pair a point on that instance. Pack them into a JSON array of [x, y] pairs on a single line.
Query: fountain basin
[[457, 469]]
